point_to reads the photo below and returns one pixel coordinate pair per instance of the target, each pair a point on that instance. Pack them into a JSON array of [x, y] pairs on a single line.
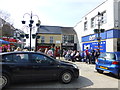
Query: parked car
[[109, 61], [34, 65]]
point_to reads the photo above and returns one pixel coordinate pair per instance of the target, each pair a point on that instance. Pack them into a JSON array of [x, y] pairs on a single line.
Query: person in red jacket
[[87, 55]]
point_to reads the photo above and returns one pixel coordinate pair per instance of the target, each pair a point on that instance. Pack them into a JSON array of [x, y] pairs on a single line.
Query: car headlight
[[75, 66]]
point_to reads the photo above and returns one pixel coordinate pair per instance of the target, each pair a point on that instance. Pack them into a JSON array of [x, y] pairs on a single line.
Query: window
[[7, 58], [92, 22], [104, 17], [51, 39], [68, 38], [42, 39], [85, 25], [42, 59], [20, 57], [108, 56]]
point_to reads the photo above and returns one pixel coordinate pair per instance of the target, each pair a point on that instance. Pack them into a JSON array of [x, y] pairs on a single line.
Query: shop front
[[13, 43], [69, 46], [4, 45], [110, 41]]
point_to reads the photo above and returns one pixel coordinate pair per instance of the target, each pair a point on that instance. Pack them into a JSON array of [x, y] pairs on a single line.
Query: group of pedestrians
[[72, 55], [88, 56], [49, 51]]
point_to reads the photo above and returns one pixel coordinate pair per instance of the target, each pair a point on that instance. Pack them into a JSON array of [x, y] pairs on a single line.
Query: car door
[[20, 66], [44, 67]]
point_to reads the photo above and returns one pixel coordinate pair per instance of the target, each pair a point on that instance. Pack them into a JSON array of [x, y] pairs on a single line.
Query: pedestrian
[[39, 50], [97, 53], [53, 49], [50, 53], [87, 56], [46, 50], [77, 56], [67, 56], [82, 56], [4, 49], [64, 53], [17, 49], [72, 55], [93, 56]]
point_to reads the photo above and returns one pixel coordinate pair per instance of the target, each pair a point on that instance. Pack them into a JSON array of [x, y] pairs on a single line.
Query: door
[[18, 64], [44, 67]]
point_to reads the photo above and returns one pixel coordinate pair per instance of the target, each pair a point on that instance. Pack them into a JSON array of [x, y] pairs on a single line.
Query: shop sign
[[93, 37], [57, 41], [94, 45], [68, 44]]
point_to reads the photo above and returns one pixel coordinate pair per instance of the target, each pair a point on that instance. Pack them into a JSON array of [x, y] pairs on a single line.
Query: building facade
[[61, 37], [109, 20]]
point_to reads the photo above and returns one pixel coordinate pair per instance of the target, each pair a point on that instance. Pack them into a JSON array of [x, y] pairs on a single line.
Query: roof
[[56, 30], [68, 30], [50, 30]]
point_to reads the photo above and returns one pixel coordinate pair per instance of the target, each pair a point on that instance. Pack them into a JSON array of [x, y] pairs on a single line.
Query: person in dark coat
[[97, 53], [93, 56]]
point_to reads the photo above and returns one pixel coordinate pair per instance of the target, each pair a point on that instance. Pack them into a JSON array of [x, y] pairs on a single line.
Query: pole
[[30, 37], [98, 34], [30, 30], [36, 43]]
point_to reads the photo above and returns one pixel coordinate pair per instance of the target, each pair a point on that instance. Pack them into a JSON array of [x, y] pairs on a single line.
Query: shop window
[[68, 39]]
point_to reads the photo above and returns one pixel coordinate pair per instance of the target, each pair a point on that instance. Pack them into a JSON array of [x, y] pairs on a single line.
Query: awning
[[3, 42], [9, 39]]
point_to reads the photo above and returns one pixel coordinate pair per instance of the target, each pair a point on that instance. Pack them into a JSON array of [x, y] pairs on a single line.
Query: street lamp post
[[99, 21], [31, 24], [98, 31]]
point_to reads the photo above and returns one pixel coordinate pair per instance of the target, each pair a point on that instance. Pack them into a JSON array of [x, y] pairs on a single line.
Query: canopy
[[3, 42]]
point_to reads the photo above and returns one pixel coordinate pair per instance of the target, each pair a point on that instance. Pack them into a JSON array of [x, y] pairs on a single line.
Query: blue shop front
[[91, 42]]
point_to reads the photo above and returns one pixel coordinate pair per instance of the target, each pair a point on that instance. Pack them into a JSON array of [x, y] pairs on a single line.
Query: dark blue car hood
[[65, 63]]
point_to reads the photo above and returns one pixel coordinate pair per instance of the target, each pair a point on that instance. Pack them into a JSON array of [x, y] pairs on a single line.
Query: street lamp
[[98, 31], [31, 23]]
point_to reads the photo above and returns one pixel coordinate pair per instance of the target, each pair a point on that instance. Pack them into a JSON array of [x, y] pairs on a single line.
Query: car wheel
[[66, 77], [4, 80], [118, 76], [99, 71]]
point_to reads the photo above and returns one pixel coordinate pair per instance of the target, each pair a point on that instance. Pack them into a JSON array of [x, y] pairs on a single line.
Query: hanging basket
[[22, 35], [33, 36], [27, 36], [38, 37]]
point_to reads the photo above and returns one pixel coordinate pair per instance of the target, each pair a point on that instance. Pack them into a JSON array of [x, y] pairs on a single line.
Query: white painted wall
[[111, 45], [112, 10]]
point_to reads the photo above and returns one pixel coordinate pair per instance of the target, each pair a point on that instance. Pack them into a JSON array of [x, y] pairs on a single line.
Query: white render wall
[[111, 45], [111, 8]]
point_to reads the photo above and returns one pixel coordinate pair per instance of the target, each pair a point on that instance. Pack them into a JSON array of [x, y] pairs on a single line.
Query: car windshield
[[108, 56]]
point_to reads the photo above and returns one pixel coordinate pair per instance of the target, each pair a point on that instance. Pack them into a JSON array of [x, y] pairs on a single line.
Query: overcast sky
[[66, 13]]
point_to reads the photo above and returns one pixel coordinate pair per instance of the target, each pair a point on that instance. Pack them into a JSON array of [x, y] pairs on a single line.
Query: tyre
[[99, 71], [66, 77], [118, 76], [4, 81]]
